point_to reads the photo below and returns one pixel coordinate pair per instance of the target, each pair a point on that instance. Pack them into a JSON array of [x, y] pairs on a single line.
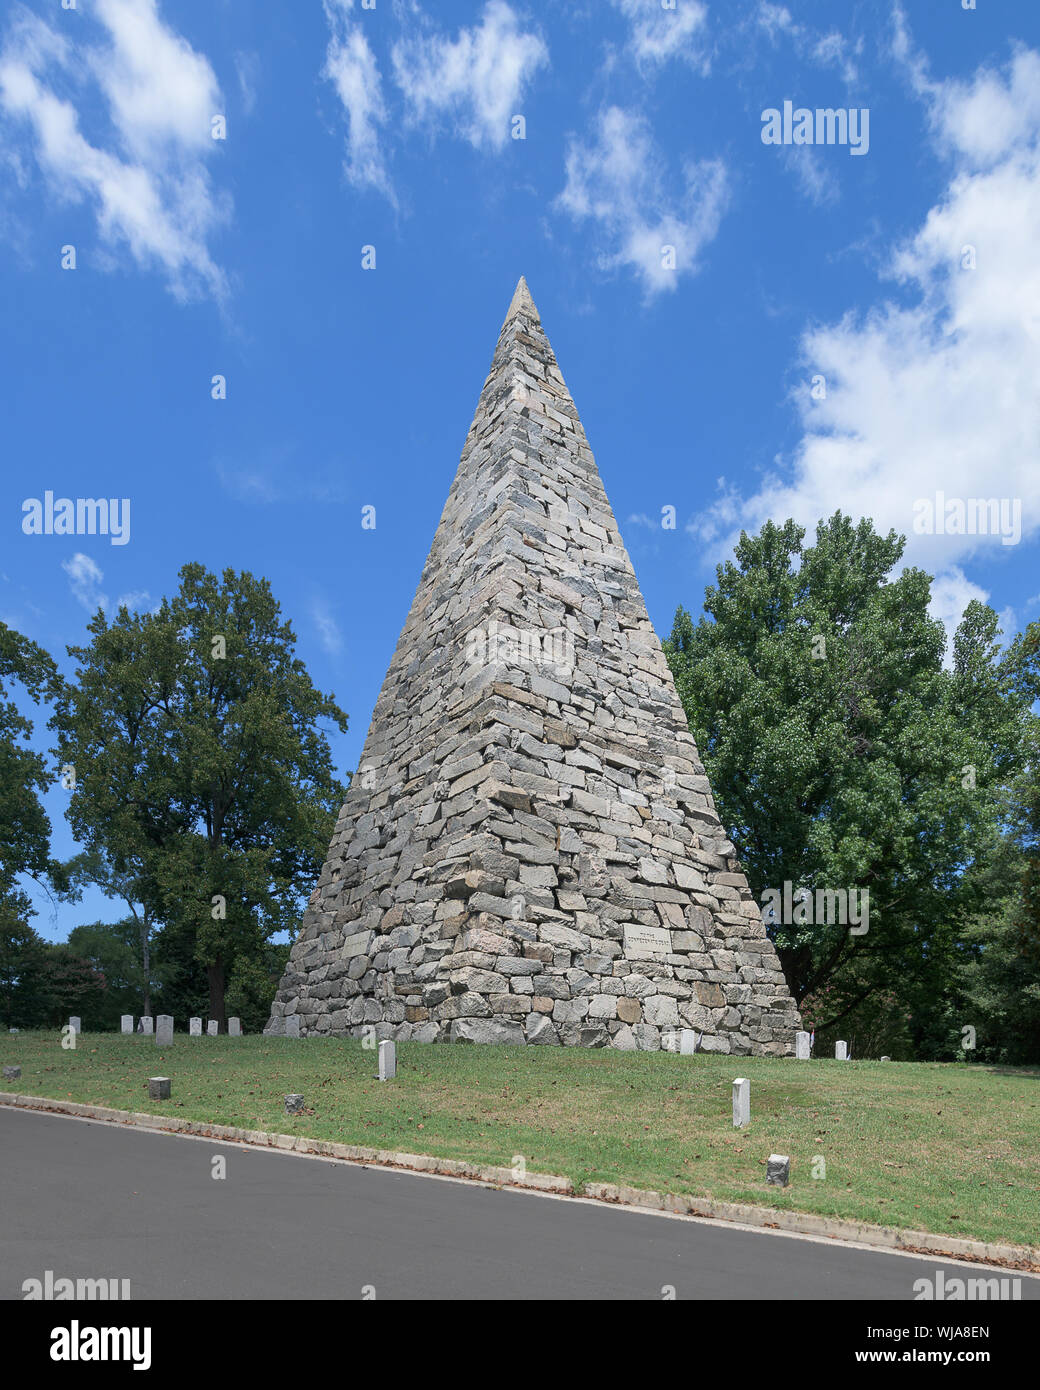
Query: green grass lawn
[[951, 1149]]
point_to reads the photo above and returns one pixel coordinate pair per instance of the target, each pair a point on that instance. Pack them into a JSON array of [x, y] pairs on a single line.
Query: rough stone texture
[[778, 1170], [294, 1103], [12, 1073], [529, 851]]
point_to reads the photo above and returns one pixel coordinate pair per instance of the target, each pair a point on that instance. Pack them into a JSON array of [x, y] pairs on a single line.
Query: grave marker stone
[[158, 1088], [387, 1060], [741, 1102], [164, 1030], [778, 1170]]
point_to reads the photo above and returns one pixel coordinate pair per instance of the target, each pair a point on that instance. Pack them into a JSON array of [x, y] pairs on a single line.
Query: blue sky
[[907, 277]]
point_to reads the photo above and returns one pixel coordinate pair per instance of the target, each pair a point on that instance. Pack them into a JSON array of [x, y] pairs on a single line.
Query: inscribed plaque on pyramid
[[529, 851]]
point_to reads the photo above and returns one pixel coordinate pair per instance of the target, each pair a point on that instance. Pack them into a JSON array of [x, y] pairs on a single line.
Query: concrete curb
[[1018, 1257]]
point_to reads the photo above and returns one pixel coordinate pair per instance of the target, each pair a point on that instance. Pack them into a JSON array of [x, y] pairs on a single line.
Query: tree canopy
[[844, 752], [202, 773]]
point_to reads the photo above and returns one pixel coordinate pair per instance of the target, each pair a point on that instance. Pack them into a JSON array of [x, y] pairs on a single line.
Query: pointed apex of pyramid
[[522, 303]]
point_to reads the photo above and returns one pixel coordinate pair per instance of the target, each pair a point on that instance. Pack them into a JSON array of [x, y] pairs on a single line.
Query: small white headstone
[[75, 1024], [387, 1060], [211, 1028], [688, 1041], [886, 1059], [801, 1047], [195, 1027], [292, 1025], [741, 1102], [841, 1052], [164, 1030], [126, 1023], [146, 1024], [234, 1027]]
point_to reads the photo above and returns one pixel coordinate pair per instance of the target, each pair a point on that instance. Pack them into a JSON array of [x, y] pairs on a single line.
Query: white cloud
[[619, 181], [351, 67], [161, 93], [148, 181], [939, 396], [85, 580], [249, 484], [247, 70], [478, 79], [329, 632], [825, 50], [136, 598], [657, 34], [988, 118], [815, 178], [951, 594]]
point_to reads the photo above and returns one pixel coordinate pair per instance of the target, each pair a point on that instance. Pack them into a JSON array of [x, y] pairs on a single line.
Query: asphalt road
[[92, 1200]]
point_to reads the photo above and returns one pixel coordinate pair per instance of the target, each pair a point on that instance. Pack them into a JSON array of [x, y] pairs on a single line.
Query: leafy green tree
[[132, 885], [254, 983], [999, 987], [202, 772], [185, 987], [24, 826], [73, 985], [842, 753], [113, 951], [24, 1001]]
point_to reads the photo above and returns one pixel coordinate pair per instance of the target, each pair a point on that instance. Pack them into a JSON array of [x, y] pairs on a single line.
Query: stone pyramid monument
[[529, 851]]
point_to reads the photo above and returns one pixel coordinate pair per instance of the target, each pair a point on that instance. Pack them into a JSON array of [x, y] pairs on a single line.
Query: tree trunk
[[215, 976], [146, 962]]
